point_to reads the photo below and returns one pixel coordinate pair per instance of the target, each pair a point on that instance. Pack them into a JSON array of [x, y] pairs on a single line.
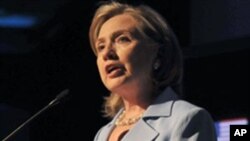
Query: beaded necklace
[[120, 121]]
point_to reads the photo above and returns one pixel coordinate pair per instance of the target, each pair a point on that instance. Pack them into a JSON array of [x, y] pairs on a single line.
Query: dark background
[[39, 61]]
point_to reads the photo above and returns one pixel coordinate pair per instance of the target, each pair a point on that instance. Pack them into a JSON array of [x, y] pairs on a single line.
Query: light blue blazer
[[167, 119]]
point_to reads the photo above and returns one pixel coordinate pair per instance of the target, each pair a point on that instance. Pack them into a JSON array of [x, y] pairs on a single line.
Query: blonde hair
[[153, 26]]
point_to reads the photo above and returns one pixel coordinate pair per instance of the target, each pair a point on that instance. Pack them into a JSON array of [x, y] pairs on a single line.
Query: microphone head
[[63, 94]]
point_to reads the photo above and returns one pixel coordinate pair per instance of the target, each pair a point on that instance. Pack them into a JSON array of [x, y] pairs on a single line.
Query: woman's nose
[[110, 54]]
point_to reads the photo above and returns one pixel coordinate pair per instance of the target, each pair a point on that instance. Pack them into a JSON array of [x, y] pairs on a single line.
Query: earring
[[156, 65]]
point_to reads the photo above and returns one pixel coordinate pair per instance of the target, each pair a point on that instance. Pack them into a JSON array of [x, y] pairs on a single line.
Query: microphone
[[61, 96]]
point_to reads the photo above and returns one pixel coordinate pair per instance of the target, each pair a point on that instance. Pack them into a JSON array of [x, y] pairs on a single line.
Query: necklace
[[120, 121]]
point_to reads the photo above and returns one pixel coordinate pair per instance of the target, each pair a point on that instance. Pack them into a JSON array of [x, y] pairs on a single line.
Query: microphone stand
[[52, 103]]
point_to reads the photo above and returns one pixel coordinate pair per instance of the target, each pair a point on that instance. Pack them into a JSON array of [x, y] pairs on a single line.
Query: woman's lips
[[114, 70]]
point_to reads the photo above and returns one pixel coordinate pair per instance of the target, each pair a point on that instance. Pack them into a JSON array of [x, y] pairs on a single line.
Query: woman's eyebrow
[[99, 40], [114, 35], [119, 32]]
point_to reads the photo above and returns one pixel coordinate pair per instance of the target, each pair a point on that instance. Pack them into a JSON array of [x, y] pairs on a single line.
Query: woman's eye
[[123, 39], [100, 47]]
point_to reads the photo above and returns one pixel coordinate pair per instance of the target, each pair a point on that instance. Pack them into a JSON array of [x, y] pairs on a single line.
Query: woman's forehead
[[122, 21], [118, 24]]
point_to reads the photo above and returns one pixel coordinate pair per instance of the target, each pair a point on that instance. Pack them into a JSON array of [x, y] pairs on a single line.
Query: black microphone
[[61, 96]]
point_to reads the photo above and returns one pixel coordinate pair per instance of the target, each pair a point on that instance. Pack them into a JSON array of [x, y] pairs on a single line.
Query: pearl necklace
[[120, 121]]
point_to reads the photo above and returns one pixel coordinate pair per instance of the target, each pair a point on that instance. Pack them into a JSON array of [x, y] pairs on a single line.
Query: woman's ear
[[156, 64], [157, 60]]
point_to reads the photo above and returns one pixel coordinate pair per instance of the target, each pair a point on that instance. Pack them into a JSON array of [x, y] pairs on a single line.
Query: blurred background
[[44, 49]]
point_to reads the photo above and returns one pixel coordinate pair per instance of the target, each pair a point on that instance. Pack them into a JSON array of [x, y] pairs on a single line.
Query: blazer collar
[[162, 105]]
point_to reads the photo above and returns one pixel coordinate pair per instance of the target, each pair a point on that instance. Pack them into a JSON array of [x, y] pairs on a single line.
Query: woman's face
[[124, 57]]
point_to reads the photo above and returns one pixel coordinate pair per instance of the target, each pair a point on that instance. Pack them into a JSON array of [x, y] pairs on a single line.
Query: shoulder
[[191, 119], [178, 112], [184, 119], [182, 106], [185, 110]]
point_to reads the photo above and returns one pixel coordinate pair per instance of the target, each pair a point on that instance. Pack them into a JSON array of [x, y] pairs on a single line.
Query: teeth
[[111, 69]]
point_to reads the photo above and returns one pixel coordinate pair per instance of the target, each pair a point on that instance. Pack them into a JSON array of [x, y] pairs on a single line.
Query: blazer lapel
[[141, 131], [104, 132]]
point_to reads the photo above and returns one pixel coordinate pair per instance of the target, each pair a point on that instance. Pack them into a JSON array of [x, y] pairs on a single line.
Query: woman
[[140, 63]]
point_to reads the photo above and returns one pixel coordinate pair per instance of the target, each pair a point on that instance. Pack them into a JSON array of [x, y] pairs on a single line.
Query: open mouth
[[114, 70], [111, 68]]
